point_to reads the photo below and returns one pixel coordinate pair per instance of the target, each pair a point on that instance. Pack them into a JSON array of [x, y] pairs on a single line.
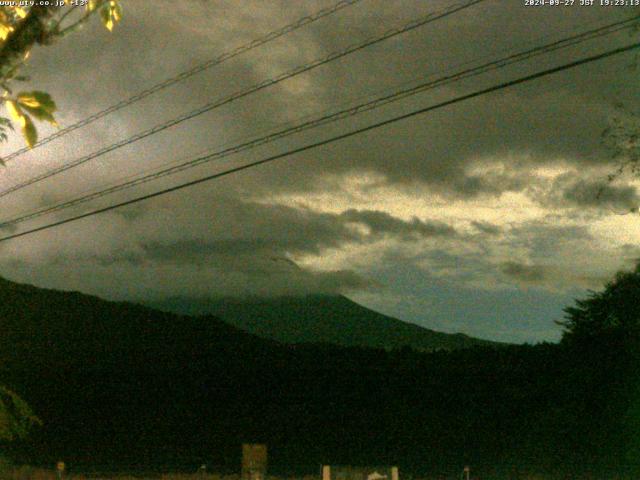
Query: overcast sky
[[482, 217]]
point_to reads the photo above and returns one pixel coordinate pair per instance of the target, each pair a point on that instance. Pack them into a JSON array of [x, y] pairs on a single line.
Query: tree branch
[[30, 31]]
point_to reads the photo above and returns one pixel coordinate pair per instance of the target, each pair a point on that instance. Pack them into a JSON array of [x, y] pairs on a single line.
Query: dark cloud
[[630, 254], [544, 238], [525, 273], [275, 231], [248, 252], [573, 190], [460, 182], [382, 223], [243, 276], [585, 193], [486, 227]]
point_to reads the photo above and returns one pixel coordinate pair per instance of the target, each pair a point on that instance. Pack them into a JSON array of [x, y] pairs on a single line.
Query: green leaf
[[116, 10], [105, 15], [5, 123], [20, 12], [39, 105], [111, 13], [15, 111], [5, 30], [29, 132], [42, 115], [37, 99]]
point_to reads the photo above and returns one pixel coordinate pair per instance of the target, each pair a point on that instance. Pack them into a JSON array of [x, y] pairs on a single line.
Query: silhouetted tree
[[16, 418], [603, 332], [612, 313]]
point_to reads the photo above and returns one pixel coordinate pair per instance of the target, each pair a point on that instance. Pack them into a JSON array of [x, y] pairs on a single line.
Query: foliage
[[613, 312], [22, 28], [605, 329], [622, 138], [16, 418]]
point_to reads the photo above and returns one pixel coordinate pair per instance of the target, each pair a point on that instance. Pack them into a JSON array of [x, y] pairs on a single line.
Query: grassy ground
[[30, 473]]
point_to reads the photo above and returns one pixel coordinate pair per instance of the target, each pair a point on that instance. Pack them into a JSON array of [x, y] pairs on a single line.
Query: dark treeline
[[119, 385]]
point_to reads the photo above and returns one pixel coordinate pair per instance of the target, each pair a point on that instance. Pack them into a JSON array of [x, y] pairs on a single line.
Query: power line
[[336, 138], [335, 116], [243, 93], [301, 22]]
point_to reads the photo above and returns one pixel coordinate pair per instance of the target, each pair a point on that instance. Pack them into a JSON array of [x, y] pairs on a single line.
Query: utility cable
[[301, 22], [333, 117], [243, 93], [333, 139]]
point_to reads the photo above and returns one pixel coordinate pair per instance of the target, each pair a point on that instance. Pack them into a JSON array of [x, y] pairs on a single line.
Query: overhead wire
[[424, 20], [258, 42], [310, 146], [335, 116]]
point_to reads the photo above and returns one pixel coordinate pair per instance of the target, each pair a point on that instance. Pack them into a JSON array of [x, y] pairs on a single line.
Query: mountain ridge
[[65, 327], [331, 319]]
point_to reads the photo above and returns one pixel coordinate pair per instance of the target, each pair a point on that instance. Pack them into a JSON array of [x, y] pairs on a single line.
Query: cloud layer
[[504, 193]]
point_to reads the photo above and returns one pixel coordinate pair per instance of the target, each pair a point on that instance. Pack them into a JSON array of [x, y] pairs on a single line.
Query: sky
[[482, 217]]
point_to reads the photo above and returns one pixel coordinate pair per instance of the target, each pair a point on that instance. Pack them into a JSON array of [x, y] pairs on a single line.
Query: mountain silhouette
[[331, 319]]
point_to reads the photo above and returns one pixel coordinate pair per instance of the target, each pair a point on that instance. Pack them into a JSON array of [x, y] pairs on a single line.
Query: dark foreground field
[[27, 473], [119, 384]]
